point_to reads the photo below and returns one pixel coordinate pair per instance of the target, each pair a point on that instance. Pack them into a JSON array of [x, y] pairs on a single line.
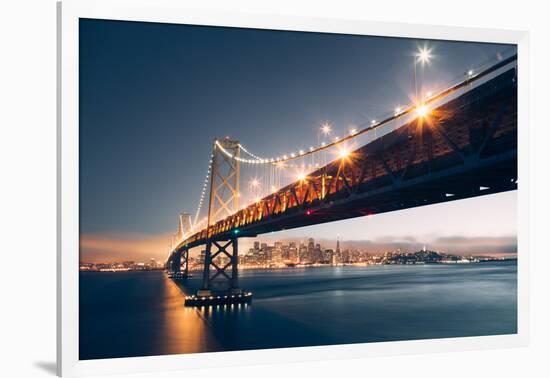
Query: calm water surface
[[128, 314]]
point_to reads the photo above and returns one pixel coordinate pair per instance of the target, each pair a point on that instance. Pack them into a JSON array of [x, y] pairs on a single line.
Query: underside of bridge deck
[[465, 148]]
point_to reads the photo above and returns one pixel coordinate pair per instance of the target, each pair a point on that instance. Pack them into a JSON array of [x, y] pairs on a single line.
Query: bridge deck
[[465, 148]]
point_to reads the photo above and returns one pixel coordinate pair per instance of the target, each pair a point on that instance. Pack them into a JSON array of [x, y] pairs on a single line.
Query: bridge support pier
[[220, 281], [185, 261], [179, 265], [175, 262]]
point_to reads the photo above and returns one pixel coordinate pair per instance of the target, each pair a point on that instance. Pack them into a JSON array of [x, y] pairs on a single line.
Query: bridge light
[[397, 110], [255, 183], [325, 128], [353, 131], [470, 73], [301, 176], [422, 110], [236, 231], [424, 55], [343, 153]]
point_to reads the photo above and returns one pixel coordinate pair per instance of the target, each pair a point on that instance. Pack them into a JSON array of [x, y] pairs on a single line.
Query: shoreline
[[310, 266]]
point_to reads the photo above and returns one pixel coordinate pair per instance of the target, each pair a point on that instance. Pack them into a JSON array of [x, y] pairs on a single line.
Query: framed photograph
[[239, 189]]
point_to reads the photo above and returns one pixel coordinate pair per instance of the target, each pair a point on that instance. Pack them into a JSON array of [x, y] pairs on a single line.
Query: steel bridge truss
[[179, 263], [465, 148], [221, 267]]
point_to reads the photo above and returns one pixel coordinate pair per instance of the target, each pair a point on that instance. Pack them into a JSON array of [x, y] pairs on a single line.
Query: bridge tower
[[220, 273], [184, 225], [179, 261], [183, 232]]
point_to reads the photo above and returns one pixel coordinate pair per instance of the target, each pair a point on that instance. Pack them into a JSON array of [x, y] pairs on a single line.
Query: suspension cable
[[369, 126]]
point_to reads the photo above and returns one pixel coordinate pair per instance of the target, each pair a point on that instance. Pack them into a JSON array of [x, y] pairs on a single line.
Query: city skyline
[[309, 252], [478, 246]]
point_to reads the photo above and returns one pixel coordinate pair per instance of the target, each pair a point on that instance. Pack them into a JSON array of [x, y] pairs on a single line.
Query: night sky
[[154, 96]]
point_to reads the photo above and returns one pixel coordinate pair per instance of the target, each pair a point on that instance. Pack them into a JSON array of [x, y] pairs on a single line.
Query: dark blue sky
[[154, 96]]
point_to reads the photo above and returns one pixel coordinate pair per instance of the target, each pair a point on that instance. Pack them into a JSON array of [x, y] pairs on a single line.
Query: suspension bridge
[[455, 144]]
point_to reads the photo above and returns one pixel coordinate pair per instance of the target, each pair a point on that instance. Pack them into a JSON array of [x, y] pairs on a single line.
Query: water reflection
[[183, 330], [142, 314]]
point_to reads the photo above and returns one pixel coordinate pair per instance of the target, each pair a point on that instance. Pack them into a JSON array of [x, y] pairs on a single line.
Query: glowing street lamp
[[325, 130], [397, 110], [343, 153], [423, 56], [422, 111]]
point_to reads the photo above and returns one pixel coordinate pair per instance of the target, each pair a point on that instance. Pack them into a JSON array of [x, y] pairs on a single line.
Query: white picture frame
[[171, 11]]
